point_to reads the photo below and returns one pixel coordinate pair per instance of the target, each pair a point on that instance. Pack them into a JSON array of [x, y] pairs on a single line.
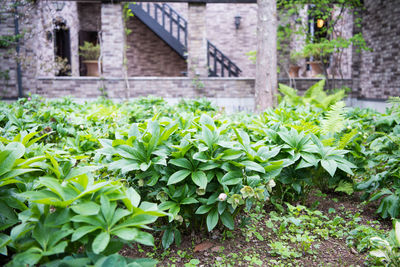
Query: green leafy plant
[[388, 253], [315, 95], [89, 51]]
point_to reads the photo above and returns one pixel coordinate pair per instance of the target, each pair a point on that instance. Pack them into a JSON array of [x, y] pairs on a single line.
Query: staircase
[[167, 24]]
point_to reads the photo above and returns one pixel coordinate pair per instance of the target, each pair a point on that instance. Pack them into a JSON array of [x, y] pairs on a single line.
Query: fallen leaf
[[203, 246]]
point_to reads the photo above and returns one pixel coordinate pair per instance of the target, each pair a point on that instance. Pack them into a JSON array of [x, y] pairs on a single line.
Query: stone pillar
[[112, 44], [197, 41]]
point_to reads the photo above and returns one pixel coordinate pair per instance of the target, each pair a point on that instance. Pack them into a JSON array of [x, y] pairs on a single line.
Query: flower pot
[[92, 67], [316, 68], [294, 71]]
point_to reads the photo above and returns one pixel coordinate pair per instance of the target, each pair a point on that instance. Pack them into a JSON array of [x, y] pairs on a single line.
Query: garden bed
[[252, 243], [301, 184]]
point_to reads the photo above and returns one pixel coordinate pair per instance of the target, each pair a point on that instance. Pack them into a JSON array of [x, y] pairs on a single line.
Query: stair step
[[167, 24]]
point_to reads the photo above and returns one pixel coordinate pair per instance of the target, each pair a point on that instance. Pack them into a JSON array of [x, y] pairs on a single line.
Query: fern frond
[[334, 119], [290, 94], [394, 100], [328, 142], [345, 140], [316, 90], [330, 100], [305, 126]]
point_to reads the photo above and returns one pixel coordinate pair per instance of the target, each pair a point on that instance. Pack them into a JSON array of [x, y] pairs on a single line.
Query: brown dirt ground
[[215, 249]]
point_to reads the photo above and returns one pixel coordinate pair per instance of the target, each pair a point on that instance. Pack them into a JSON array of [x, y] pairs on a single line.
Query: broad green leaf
[[138, 220], [189, 200], [231, 154], [203, 209], [144, 238], [265, 153], [251, 165], [182, 162], [114, 260], [329, 165], [12, 152], [133, 197], [86, 208], [92, 220], [82, 231], [100, 242], [206, 166], [232, 178], [107, 209], [80, 171], [125, 165], [144, 262], [167, 238], [56, 166], [16, 172], [212, 219], [221, 207], [200, 179], [166, 205], [208, 137], [128, 234], [118, 215], [243, 137], [28, 258], [178, 176], [397, 231], [227, 220], [207, 120]]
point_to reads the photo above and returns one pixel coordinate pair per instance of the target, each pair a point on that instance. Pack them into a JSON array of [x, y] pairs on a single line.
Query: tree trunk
[[266, 64]]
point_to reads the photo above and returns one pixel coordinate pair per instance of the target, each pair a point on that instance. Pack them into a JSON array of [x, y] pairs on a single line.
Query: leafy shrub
[[200, 173], [387, 251], [51, 208]]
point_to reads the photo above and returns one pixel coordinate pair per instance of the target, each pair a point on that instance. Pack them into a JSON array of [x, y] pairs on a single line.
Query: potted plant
[[319, 54], [90, 53]]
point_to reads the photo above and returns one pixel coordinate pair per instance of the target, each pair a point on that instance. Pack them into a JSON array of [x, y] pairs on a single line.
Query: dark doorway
[[86, 36], [62, 48]]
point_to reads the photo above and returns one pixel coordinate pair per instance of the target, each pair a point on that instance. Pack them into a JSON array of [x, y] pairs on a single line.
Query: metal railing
[[218, 63], [168, 18]]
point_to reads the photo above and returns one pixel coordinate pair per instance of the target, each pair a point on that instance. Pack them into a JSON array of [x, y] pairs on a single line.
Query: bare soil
[[232, 248]]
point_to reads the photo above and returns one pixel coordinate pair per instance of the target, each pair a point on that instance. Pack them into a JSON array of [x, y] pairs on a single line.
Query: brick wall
[[380, 68], [168, 87], [148, 55], [8, 65], [89, 16], [221, 31]]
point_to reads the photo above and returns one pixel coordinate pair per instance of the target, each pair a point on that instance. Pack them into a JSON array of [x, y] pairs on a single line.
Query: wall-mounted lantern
[[58, 5], [237, 21], [320, 23], [49, 36]]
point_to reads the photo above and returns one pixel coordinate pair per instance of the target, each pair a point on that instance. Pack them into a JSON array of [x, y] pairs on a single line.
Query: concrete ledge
[[144, 78], [169, 87]]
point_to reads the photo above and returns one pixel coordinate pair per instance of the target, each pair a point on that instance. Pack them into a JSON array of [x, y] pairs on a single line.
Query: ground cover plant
[[81, 183]]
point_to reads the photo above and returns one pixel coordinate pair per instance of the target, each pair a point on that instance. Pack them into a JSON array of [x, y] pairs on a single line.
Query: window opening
[[62, 47]]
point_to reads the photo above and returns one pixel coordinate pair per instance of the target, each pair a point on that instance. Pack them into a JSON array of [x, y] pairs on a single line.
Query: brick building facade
[[371, 74]]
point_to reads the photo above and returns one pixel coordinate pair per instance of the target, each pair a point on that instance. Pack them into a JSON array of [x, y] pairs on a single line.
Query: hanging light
[[320, 23], [58, 5], [237, 21]]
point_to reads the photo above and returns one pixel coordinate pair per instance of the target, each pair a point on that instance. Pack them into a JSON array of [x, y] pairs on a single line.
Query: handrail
[[168, 18], [220, 63]]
